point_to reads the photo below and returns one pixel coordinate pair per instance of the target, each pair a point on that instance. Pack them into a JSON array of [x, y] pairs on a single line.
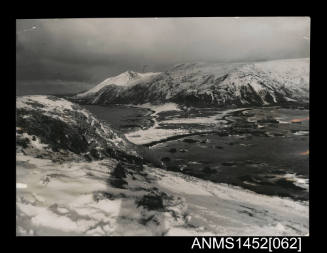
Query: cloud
[[89, 50], [50, 87]]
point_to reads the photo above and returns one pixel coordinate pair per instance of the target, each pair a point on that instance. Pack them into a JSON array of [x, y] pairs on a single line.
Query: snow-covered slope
[[127, 78], [77, 176], [47, 125], [219, 84]]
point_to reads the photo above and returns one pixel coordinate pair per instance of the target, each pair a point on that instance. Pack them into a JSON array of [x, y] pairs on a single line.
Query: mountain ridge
[[126, 78], [277, 82]]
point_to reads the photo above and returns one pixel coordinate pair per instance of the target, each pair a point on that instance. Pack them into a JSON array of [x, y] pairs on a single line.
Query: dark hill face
[[282, 82], [51, 127]]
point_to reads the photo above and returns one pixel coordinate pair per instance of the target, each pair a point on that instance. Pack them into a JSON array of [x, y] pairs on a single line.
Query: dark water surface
[[262, 149], [122, 117]]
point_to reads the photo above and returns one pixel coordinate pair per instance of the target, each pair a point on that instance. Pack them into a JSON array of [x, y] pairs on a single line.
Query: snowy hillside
[[47, 125], [127, 78], [279, 82], [77, 176]]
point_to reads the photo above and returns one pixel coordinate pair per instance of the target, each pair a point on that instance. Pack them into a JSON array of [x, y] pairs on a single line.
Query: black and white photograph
[[163, 126]]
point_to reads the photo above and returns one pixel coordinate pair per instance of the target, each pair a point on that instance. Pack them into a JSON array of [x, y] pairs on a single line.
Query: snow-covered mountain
[[125, 79], [277, 82]]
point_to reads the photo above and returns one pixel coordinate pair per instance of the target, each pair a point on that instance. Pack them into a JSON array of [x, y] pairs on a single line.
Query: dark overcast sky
[[70, 55]]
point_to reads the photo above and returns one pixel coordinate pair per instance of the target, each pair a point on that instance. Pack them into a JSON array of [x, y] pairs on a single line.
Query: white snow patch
[[298, 181], [152, 134], [196, 120], [156, 134], [21, 186], [160, 108], [300, 133]]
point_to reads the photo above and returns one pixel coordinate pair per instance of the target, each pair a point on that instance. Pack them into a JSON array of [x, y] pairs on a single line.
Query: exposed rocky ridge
[[47, 126], [280, 82]]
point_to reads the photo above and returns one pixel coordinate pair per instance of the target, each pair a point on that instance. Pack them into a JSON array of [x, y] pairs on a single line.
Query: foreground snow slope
[[261, 83], [87, 198], [62, 190], [220, 209], [77, 176], [74, 198]]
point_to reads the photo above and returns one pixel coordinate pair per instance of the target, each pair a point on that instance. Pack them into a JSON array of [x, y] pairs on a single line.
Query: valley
[[200, 149], [90, 180], [261, 149]]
